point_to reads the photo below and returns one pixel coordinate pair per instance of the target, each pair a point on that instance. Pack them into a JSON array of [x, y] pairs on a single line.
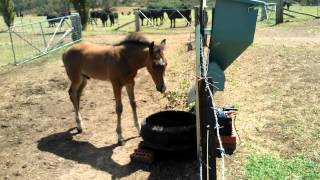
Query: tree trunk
[[82, 8]]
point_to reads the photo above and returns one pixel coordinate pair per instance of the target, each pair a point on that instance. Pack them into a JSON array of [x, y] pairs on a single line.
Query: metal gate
[[32, 40]]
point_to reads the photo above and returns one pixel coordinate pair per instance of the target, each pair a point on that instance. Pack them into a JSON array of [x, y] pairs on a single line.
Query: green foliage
[[7, 11], [53, 7], [42, 7], [270, 167], [102, 4], [82, 7]]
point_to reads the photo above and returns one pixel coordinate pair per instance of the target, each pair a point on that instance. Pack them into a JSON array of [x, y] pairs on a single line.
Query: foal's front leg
[[130, 91], [117, 94]]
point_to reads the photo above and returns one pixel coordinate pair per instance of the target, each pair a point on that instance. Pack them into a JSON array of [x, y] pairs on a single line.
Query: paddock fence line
[[291, 11], [32, 40], [209, 87], [208, 132]]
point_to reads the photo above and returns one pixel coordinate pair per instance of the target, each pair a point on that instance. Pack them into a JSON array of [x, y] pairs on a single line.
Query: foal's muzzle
[[161, 88]]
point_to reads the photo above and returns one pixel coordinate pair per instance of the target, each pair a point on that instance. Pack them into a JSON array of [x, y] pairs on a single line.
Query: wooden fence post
[[207, 131], [279, 12], [137, 21]]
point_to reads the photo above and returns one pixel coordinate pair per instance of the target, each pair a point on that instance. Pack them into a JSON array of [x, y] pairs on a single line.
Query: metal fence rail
[[32, 40]]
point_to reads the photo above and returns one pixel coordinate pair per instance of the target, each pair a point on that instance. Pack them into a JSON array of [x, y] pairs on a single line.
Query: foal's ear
[[151, 46], [163, 44]]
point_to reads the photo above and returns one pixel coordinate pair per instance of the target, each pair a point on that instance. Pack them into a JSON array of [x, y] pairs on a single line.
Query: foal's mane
[[134, 38]]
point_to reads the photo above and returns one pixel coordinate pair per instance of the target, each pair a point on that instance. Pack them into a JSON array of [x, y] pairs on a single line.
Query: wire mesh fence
[[31, 40]]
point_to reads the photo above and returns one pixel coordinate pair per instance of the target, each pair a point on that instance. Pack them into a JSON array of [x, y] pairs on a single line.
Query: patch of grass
[[5, 48], [177, 97], [184, 84], [312, 10], [268, 166]]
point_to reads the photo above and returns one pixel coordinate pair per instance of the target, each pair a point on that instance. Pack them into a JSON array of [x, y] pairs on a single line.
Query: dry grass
[[275, 84]]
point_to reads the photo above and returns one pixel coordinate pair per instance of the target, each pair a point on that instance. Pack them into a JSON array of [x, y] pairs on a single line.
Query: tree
[[82, 7], [7, 11]]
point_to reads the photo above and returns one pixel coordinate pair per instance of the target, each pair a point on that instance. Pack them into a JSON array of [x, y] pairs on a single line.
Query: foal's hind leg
[[130, 91], [80, 90], [75, 91], [79, 93]]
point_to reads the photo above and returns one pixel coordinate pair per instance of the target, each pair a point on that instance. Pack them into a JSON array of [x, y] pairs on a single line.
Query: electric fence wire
[[204, 75]]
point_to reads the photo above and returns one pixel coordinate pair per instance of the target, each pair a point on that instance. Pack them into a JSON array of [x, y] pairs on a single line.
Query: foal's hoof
[[138, 130], [121, 142], [79, 130]]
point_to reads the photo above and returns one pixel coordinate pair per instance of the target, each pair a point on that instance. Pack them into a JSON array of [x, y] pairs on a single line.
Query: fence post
[[205, 123], [196, 15], [137, 21], [203, 22], [42, 33], [279, 12], [208, 132], [264, 14], [318, 8], [77, 27], [13, 51]]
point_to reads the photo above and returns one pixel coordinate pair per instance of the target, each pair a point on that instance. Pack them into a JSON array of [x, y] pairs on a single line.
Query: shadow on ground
[[175, 166]]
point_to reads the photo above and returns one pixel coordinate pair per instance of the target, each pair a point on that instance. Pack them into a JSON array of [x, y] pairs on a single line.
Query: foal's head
[[157, 64]]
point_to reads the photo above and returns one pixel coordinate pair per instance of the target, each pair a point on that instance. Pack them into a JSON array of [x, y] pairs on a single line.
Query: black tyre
[[169, 131]]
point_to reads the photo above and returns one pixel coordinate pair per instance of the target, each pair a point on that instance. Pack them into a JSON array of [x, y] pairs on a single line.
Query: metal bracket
[[253, 8]]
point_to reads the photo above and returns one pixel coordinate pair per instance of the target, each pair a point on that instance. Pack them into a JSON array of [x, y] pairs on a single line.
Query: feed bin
[[233, 29]]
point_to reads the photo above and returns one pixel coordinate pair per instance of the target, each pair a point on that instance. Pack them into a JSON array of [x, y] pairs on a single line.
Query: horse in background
[[53, 19], [173, 14], [152, 14], [104, 15]]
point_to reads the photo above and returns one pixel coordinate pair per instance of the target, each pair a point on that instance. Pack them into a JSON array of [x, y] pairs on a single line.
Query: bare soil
[[274, 83], [36, 115]]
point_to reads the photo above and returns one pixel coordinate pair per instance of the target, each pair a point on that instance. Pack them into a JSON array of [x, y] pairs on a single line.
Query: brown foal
[[118, 64]]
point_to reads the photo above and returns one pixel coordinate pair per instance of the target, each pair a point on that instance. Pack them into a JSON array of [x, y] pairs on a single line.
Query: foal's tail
[[66, 66], [70, 66], [64, 59]]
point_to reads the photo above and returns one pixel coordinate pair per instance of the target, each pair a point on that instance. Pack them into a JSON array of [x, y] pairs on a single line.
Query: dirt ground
[[36, 114], [275, 84]]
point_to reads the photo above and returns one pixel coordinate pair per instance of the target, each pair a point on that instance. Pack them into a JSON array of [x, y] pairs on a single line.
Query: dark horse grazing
[[53, 19], [173, 14], [144, 13], [287, 3], [153, 14], [118, 64], [113, 16]]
